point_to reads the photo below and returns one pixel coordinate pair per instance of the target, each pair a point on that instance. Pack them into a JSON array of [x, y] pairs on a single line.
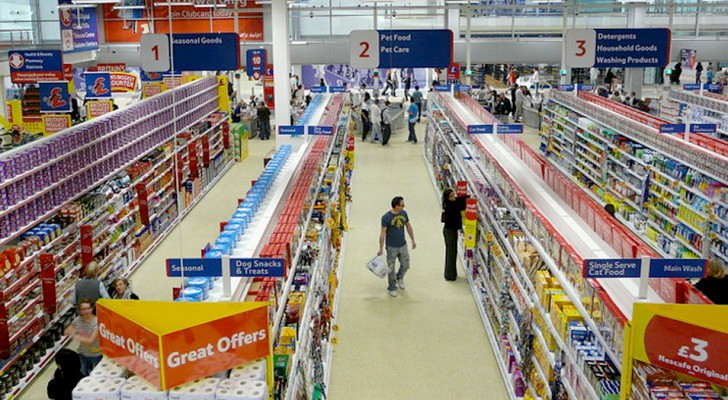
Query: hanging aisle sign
[[624, 48], [255, 61], [192, 52], [54, 97], [31, 66], [430, 48], [98, 85], [79, 29]]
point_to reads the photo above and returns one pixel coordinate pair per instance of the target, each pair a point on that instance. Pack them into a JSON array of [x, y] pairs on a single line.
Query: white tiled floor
[[429, 343]]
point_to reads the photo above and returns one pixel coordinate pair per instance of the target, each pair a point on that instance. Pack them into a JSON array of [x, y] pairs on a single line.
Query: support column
[[3, 100], [281, 65], [634, 77], [468, 44]]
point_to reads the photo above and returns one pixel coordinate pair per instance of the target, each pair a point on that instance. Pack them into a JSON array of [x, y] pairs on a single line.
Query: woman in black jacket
[[66, 376], [452, 207], [715, 285]]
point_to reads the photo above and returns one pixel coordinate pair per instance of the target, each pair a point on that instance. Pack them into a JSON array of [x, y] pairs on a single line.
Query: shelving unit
[[696, 108], [533, 251], [666, 190], [110, 206]]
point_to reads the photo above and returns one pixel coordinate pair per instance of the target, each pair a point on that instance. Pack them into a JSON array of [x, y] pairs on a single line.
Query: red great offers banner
[[170, 344]]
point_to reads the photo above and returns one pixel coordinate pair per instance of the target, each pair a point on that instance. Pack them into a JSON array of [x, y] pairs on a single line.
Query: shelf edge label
[[672, 128], [254, 267], [320, 130], [612, 268], [509, 129], [480, 129], [290, 130], [703, 128], [678, 267]]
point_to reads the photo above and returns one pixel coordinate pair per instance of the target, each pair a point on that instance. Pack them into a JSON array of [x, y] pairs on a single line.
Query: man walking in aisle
[[413, 113], [375, 116], [393, 225], [417, 99], [386, 122], [264, 120]]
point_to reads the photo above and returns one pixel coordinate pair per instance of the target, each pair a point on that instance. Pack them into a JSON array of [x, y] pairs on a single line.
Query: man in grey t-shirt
[[393, 225]]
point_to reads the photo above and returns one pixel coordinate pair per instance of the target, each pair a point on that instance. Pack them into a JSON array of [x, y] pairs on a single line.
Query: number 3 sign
[[580, 48], [364, 49]]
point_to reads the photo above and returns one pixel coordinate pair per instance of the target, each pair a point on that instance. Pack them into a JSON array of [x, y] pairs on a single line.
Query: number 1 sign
[[364, 49], [155, 52]]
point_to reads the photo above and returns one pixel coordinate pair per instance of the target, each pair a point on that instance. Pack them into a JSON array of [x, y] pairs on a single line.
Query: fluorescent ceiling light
[[94, 2], [295, 42], [174, 4]]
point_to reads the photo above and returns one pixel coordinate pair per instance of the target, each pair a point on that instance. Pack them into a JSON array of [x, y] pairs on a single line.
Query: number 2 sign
[[580, 48], [364, 49]]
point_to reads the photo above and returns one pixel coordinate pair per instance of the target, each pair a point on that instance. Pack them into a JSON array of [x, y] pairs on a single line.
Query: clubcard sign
[[170, 344]]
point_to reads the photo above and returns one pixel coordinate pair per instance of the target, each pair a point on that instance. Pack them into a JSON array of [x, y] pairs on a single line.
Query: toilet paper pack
[[109, 369], [244, 393], [254, 370], [98, 388]]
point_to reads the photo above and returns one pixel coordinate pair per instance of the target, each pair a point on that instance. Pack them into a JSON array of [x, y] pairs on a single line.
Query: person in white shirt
[[535, 79], [520, 97], [593, 75], [375, 114]]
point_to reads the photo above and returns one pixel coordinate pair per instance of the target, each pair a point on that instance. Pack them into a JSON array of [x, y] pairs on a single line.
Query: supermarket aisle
[[429, 342], [199, 227]]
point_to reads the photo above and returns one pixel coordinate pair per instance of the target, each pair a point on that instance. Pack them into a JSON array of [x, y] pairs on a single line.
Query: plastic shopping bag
[[378, 266]]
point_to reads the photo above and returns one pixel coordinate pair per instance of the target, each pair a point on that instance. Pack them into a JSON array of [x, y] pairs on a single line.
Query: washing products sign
[[170, 344], [624, 48]]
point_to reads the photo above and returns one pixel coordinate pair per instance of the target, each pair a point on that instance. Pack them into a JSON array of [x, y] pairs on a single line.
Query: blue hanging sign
[[703, 128], [480, 129], [678, 268], [632, 48], [672, 128], [612, 268], [98, 85], [206, 51], [290, 130], [32, 66], [336, 89], [566, 88], [194, 267], [321, 130], [585, 87], [54, 97], [462, 88], [318, 89], [509, 129], [426, 48], [254, 267], [79, 29], [151, 76], [255, 61], [691, 86], [442, 88], [711, 86]]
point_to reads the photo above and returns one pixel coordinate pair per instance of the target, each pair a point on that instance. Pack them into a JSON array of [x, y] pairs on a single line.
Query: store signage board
[[192, 52], [54, 97], [566, 88], [463, 88], [711, 86], [625, 48], [255, 61], [170, 344], [443, 88], [509, 129], [612, 268], [672, 128], [678, 268], [255, 267], [191, 267], [703, 128], [685, 338], [31, 66], [56, 123], [290, 130], [430, 48], [585, 87], [691, 86], [79, 28], [337, 89], [111, 67], [480, 129], [124, 82], [318, 89], [98, 85], [453, 72], [321, 130]]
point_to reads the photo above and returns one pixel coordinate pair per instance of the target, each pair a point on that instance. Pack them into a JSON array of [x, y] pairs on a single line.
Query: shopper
[[676, 72], [413, 113], [84, 329], [389, 84], [609, 80], [452, 219], [616, 97], [593, 75], [66, 376], [89, 287], [520, 98], [365, 121], [407, 85], [237, 112], [264, 121], [536, 79], [502, 108], [698, 72], [394, 223], [715, 285], [375, 115], [512, 77], [387, 119], [610, 209], [417, 99], [122, 290], [709, 75]]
